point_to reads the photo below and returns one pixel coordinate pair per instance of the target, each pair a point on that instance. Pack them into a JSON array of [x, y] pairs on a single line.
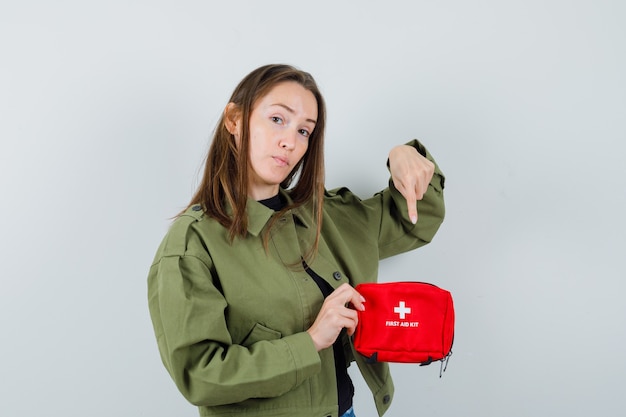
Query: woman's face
[[280, 125]]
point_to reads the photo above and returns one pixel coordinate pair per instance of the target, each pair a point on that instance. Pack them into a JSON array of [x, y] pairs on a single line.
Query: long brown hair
[[225, 179]]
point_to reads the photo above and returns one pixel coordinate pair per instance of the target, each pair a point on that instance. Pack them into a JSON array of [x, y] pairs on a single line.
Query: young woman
[[251, 292]]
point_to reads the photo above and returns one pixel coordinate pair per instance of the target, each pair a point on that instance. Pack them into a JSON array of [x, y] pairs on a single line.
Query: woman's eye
[[305, 133], [277, 120]]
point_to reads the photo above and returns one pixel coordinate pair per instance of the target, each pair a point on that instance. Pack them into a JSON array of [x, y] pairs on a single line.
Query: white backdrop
[[106, 109]]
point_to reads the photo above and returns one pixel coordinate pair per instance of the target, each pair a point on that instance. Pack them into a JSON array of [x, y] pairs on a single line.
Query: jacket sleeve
[[396, 232], [380, 225], [361, 232], [188, 313]]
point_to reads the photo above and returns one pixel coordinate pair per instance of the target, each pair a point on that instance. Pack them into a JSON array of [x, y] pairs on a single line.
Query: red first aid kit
[[409, 322]]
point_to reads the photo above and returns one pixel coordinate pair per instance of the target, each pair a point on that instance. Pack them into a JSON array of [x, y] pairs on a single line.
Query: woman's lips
[[281, 161]]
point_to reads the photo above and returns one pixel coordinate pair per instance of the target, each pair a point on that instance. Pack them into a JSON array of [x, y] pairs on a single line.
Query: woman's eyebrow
[[290, 110]]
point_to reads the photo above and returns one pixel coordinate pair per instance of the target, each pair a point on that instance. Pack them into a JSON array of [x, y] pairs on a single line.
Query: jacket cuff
[[305, 357]]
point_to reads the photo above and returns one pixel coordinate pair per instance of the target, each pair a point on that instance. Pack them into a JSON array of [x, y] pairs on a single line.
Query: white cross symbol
[[402, 310]]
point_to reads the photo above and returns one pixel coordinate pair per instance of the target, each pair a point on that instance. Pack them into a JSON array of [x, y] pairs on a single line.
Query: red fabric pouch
[[409, 322]]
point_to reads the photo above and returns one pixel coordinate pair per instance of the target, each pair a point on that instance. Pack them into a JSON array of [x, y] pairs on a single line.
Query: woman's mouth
[[280, 161]]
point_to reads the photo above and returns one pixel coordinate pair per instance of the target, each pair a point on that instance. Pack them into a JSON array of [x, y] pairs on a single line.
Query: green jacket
[[231, 319]]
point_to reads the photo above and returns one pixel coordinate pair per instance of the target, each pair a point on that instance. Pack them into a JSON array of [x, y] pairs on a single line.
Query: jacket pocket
[[258, 333]]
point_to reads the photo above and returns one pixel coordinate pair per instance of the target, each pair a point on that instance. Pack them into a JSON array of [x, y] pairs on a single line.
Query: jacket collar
[[259, 215]]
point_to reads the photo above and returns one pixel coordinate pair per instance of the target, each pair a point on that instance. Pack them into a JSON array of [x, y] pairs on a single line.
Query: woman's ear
[[232, 119]]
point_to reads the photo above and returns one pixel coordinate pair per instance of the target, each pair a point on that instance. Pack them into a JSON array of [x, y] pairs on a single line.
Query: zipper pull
[[442, 368]]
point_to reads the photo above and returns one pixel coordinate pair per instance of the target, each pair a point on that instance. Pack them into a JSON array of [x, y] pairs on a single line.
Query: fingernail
[[413, 219]]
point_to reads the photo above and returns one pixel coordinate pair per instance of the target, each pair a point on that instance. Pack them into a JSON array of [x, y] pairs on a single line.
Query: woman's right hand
[[336, 314]]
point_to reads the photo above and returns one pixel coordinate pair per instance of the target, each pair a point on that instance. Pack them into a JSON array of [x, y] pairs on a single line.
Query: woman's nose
[[288, 140]]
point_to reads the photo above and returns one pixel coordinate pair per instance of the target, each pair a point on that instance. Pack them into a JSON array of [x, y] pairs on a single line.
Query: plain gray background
[[106, 109]]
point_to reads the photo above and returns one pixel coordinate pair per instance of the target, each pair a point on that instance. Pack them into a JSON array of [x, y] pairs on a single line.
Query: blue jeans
[[349, 413]]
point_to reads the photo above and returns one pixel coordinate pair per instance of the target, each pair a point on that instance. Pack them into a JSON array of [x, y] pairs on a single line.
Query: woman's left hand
[[411, 173]]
